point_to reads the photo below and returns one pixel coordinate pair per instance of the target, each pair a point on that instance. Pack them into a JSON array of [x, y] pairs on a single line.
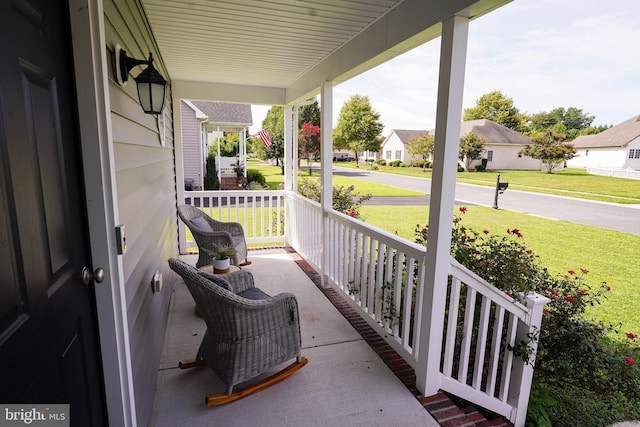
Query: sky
[[543, 54]]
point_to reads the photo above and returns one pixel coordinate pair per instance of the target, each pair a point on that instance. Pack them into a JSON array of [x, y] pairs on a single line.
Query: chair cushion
[[201, 223], [253, 294], [223, 283]]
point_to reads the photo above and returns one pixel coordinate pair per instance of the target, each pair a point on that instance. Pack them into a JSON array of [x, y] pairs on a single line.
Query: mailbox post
[[500, 188]]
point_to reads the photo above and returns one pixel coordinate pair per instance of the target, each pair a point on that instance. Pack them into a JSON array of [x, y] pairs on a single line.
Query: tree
[[274, 124], [421, 146], [471, 148], [497, 108], [309, 143], [358, 126], [574, 120], [228, 145], [309, 114], [548, 146]]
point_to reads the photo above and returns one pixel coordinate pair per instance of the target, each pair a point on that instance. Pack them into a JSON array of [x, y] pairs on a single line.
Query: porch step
[[445, 410]]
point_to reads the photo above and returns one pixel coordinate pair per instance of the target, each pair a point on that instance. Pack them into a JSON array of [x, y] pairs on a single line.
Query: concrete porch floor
[[344, 384]]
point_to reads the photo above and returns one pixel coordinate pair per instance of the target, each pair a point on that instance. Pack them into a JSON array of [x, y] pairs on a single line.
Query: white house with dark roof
[[395, 145], [201, 123], [502, 147], [616, 148]]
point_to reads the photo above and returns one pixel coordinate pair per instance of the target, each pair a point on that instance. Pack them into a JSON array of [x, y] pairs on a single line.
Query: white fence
[[382, 277], [614, 172]]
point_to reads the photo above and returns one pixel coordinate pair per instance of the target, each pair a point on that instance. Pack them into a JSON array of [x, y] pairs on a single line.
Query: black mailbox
[[500, 187]]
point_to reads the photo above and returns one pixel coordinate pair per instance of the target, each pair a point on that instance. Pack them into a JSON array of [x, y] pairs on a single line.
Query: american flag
[[264, 135]]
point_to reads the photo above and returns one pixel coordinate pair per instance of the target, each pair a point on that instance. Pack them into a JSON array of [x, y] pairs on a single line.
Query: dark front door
[[48, 345]]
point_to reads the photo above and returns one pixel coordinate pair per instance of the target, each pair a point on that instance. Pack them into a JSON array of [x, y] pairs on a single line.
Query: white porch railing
[[381, 276], [261, 213]]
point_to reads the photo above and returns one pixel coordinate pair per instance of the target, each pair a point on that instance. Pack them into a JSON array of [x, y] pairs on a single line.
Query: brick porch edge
[[441, 407]]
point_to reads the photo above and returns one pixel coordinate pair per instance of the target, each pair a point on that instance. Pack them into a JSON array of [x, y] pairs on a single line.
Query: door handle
[[97, 276]]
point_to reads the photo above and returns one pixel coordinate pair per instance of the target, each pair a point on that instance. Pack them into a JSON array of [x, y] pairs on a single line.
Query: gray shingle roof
[[493, 132], [618, 136], [407, 135], [221, 113]]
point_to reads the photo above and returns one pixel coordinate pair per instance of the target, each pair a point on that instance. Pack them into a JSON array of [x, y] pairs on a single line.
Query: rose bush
[[573, 350]]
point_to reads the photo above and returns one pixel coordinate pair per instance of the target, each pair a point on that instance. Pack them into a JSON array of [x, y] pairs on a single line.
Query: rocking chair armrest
[[270, 314]]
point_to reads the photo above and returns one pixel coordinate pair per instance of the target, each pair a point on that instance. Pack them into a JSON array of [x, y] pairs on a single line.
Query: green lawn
[[274, 177], [569, 182], [610, 256]]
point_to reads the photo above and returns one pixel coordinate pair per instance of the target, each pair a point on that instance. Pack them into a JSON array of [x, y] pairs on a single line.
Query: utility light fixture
[[151, 85]]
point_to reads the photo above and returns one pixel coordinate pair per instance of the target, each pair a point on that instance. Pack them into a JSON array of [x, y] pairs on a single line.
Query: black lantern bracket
[[125, 63]]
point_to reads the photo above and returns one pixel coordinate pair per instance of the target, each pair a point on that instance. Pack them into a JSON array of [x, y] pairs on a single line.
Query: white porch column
[[218, 162], [296, 154], [447, 138], [288, 146], [326, 151], [243, 150]]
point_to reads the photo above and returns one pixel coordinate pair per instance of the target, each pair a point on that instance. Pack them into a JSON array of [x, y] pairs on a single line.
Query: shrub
[[254, 175], [425, 164], [395, 163], [374, 167], [381, 162], [211, 179], [573, 351], [460, 168], [480, 168], [345, 200], [255, 185]]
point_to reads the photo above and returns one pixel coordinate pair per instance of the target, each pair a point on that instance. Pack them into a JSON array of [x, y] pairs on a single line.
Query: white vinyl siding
[[145, 175]]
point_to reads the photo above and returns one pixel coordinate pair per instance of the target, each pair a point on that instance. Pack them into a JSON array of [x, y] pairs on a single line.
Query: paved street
[[625, 218]]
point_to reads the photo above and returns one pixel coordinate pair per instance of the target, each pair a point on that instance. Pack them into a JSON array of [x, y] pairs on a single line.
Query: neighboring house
[[395, 145], [616, 148], [503, 145], [202, 123]]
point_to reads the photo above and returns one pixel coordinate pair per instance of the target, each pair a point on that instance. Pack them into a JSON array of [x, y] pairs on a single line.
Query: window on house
[[631, 153], [489, 155], [634, 153], [398, 154], [586, 153], [637, 155], [387, 155]]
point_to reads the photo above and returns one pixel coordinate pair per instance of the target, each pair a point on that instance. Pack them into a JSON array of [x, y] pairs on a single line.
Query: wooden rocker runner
[[222, 398], [241, 322]]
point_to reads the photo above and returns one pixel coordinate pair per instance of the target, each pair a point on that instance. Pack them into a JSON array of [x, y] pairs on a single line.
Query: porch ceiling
[[282, 50]]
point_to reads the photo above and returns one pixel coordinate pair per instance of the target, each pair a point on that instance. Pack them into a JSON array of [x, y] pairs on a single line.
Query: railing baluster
[[481, 342], [465, 351], [498, 325], [452, 325]]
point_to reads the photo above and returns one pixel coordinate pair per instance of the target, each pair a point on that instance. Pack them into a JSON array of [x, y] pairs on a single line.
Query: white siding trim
[[87, 22]]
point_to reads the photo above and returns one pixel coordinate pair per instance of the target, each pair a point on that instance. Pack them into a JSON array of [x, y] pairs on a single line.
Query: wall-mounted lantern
[[151, 85]]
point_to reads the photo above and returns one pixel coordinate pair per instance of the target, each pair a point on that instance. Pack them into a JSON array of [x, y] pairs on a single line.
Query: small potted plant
[[221, 256]]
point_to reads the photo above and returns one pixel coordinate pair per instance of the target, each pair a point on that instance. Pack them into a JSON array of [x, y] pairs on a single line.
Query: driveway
[[625, 218]]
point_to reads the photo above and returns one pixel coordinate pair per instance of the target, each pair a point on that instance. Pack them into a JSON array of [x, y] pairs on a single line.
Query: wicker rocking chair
[[248, 331], [207, 231]]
